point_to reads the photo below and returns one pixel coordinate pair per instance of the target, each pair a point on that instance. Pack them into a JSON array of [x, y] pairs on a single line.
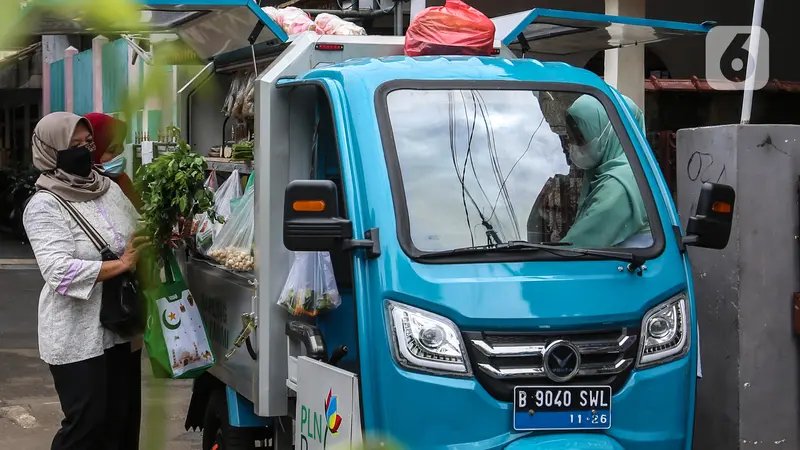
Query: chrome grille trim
[[619, 366], [516, 372], [623, 343], [536, 347], [503, 360], [587, 370], [507, 350]]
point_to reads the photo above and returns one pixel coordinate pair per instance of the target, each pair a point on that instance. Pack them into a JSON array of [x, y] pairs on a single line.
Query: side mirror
[[311, 221], [710, 227]]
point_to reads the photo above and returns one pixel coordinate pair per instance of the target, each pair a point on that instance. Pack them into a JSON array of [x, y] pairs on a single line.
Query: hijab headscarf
[[109, 131], [53, 134], [610, 207]]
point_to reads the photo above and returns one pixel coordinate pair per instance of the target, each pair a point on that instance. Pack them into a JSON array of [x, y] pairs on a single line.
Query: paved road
[[29, 409], [12, 247]]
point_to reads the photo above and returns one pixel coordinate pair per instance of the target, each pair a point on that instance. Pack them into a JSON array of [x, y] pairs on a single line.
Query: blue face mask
[[116, 166]]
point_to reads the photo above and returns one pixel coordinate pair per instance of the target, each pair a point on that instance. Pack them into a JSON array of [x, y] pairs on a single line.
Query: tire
[[217, 431]]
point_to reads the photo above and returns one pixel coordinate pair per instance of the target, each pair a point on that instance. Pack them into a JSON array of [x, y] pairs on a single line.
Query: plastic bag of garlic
[[294, 20], [291, 19], [233, 245], [330, 24]]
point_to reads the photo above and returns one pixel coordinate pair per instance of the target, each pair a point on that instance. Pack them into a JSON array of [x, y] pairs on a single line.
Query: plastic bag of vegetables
[[211, 181], [201, 221], [230, 190], [250, 185], [310, 287], [224, 196], [233, 245]]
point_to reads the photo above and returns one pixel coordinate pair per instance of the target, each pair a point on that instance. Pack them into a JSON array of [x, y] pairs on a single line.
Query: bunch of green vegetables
[[242, 151], [172, 190]]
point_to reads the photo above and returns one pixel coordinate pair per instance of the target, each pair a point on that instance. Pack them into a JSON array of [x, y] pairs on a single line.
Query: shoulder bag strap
[[94, 236]]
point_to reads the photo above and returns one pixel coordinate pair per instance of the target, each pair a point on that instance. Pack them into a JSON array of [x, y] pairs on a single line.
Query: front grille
[[502, 361]]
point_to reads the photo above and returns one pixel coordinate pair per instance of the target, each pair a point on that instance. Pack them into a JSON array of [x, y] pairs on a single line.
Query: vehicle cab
[[477, 285]]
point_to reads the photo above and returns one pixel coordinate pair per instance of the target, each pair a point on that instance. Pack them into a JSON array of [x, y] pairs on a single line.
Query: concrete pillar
[[97, 68], [416, 7], [153, 100], [53, 48], [748, 396], [69, 77], [46, 86], [624, 67], [171, 111], [133, 86]]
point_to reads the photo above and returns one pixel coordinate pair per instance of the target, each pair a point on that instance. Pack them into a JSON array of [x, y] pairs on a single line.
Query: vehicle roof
[[372, 72]]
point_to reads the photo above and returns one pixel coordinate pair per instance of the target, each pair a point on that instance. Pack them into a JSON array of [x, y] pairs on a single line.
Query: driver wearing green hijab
[[610, 208]]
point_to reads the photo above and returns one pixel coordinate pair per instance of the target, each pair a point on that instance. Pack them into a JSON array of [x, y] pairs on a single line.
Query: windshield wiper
[[635, 262]]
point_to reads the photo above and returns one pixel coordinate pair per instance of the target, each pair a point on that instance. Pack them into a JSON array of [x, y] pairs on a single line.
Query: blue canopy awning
[[565, 32], [209, 27]]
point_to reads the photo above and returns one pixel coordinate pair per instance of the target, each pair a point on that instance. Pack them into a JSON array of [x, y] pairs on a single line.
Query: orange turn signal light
[[309, 205], [721, 207]]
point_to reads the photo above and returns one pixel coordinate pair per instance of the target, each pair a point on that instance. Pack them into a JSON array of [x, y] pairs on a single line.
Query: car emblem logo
[[561, 361]]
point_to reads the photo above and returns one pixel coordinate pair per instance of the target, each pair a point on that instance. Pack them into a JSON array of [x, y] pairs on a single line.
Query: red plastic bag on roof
[[453, 29]]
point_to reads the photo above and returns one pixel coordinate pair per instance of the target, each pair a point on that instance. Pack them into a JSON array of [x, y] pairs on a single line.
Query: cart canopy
[[209, 27], [564, 32]]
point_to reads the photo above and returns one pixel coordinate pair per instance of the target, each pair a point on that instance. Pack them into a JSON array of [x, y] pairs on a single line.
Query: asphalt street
[[29, 410], [14, 248]]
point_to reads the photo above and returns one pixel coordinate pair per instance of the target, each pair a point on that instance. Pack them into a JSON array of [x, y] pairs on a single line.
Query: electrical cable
[[494, 157], [463, 172], [490, 232], [472, 160], [541, 122], [453, 154]]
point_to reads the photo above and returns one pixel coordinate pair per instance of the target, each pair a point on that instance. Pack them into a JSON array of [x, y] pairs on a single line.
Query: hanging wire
[[491, 234], [494, 208], [454, 156], [471, 159], [497, 171]]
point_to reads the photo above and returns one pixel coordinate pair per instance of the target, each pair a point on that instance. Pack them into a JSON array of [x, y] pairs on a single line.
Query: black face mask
[[76, 161]]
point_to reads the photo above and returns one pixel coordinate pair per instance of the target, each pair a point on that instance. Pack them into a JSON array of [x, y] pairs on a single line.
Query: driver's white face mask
[[589, 155]]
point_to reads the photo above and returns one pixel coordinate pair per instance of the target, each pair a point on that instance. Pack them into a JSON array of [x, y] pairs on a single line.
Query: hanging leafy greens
[[172, 189]]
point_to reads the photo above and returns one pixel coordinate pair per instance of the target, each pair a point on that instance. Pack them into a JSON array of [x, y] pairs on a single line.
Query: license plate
[[562, 408]]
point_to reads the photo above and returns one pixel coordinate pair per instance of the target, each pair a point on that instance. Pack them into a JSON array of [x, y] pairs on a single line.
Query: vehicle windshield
[[482, 167]]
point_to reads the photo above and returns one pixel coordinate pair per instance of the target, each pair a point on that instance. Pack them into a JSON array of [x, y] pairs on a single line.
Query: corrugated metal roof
[[700, 85], [7, 57]]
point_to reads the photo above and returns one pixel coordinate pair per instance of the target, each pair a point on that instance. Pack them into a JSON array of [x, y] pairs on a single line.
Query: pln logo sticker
[[332, 413], [729, 62], [317, 425]]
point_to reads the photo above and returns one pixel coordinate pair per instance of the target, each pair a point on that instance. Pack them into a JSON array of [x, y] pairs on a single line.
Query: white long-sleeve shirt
[[69, 305]]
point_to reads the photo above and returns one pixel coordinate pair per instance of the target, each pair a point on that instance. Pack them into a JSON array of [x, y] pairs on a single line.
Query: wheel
[[218, 434]]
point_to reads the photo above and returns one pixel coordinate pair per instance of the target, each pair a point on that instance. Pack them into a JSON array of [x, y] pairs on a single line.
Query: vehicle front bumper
[[422, 411], [566, 442]]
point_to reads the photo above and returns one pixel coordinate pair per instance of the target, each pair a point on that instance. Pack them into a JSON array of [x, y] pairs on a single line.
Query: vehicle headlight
[[426, 342], [665, 333]]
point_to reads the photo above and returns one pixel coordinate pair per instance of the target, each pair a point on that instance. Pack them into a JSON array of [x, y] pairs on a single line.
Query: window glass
[[480, 167]]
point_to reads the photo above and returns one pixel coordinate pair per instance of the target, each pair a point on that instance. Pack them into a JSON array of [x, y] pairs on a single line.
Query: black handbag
[[120, 310]]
